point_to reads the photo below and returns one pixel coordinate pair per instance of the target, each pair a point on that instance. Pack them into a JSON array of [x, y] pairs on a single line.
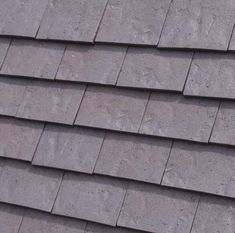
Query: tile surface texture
[[4, 45]]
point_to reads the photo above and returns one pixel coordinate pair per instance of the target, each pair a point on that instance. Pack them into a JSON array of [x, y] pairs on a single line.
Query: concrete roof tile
[[4, 45]]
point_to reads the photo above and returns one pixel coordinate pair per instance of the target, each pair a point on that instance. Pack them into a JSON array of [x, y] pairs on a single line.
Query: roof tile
[[170, 115], [114, 108], [75, 20], [201, 168], [4, 45], [133, 21], [133, 157], [97, 64], [94, 198], [155, 209]]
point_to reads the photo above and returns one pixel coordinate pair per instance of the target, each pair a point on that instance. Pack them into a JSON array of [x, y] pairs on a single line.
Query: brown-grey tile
[[133, 21], [93, 198], [202, 24], [70, 148], [24, 185], [4, 45], [174, 116], [204, 168], [157, 209], [95, 64], [155, 69], [51, 101], [75, 20], [19, 138], [33, 59], [112, 108], [133, 157]]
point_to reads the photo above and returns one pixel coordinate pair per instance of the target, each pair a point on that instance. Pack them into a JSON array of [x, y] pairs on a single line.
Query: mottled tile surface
[[133, 21], [155, 209], [155, 69], [94, 198], [172, 115], [4, 44]]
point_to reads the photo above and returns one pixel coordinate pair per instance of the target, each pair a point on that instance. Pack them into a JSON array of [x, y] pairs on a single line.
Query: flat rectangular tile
[[4, 45], [212, 74], [133, 157], [33, 59], [114, 108], [75, 20], [24, 185], [204, 168], [174, 116], [202, 24], [51, 101], [95, 64], [157, 209], [155, 69], [19, 138], [93, 198], [70, 148], [133, 21]]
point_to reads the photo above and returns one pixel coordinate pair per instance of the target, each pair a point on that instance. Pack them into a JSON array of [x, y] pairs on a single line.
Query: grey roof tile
[[97, 64], [201, 168], [212, 74], [51, 101], [214, 215], [33, 58], [18, 139], [155, 69], [133, 157], [4, 45], [39, 222], [93, 198], [172, 115], [25, 185], [155, 209], [75, 20], [114, 108], [232, 42], [202, 24], [69, 148], [133, 21]]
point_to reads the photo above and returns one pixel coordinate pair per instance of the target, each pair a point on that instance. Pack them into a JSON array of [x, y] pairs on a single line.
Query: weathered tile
[[157, 209], [40, 222], [19, 138], [33, 58], [232, 42], [174, 116], [4, 44], [69, 148], [25, 185], [133, 21], [114, 108], [51, 101], [75, 20], [204, 168], [133, 157], [10, 218], [95, 64], [202, 24], [155, 69], [214, 215], [212, 74], [93, 198]]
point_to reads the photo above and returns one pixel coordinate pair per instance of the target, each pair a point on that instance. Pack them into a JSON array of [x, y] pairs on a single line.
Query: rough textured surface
[[76, 20], [97, 64], [155, 69], [33, 58], [133, 21], [202, 24], [150, 208], [4, 45], [97, 199], [69, 148], [120, 109], [171, 115], [133, 157]]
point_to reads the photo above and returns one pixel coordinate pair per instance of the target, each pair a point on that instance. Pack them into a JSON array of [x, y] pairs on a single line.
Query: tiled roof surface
[[114, 118]]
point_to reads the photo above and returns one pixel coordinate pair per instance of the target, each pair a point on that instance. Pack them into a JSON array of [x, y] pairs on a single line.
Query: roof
[[117, 116]]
